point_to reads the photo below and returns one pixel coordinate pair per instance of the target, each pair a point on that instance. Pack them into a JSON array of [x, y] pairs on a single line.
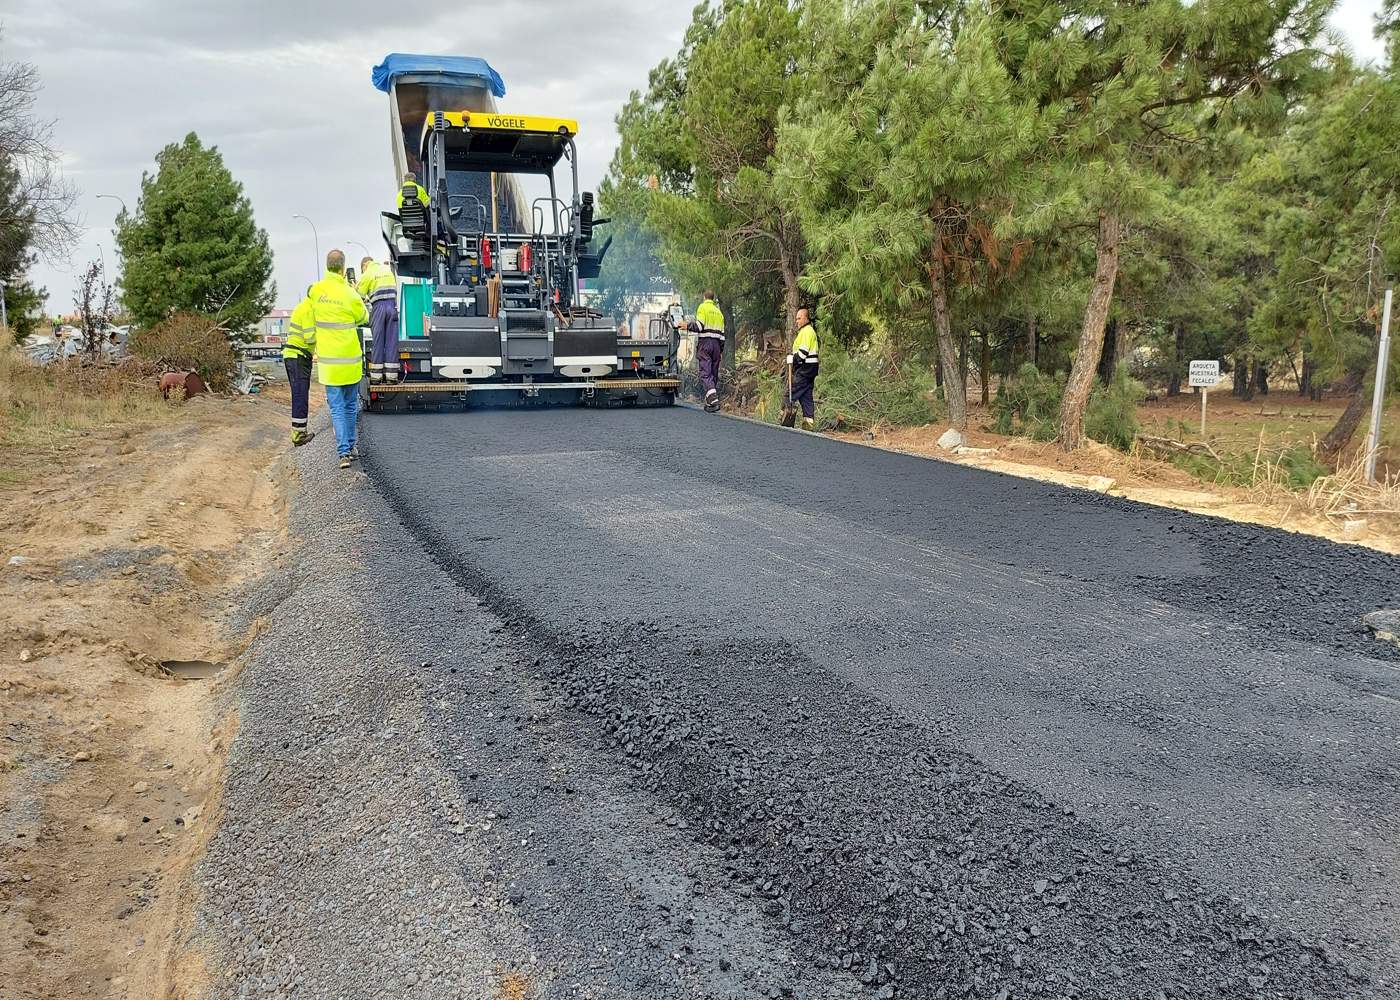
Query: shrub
[[187, 341], [1029, 404], [858, 391], [1112, 413]]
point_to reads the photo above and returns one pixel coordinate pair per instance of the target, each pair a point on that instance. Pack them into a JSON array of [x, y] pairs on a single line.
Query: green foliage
[[935, 167], [1029, 404], [1296, 467], [1112, 414], [24, 304], [703, 133], [192, 244], [860, 390], [186, 341]]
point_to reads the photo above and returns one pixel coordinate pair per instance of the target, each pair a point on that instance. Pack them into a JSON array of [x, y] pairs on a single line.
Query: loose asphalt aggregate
[[656, 703]]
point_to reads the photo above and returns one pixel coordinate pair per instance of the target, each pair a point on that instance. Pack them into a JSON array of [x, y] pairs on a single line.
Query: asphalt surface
[[655, 703]]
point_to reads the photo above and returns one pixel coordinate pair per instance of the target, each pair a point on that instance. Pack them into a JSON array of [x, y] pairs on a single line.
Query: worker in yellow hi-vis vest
[[338, 312], [380, 290], [802, 374], [708, 327], [296, 356]]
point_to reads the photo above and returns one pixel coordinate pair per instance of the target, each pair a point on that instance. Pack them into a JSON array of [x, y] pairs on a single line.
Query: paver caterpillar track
[[488, 286]]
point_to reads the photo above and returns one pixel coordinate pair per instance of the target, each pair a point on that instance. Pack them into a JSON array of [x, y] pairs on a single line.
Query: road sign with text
[[1204, 374]]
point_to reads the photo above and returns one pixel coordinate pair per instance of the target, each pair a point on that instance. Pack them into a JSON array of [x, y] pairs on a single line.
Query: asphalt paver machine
[[489, 284]]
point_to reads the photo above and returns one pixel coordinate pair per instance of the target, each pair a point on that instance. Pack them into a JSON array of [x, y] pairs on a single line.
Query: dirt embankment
[[121, 551]]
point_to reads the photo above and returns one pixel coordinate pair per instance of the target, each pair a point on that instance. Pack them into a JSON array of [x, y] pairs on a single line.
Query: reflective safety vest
[[338, 313], [301, 332], [377, 284], [413, 188], [711, 320], [804, 351]]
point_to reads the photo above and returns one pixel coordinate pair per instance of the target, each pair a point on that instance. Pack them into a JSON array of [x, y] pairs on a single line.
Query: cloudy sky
[[282, 88]]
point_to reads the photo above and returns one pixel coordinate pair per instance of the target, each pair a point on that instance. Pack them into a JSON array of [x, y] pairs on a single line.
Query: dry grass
[[1340, 496], [42, 407]]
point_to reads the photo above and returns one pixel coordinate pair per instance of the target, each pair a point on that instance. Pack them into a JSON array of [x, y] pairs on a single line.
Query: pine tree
[[706, 130], [1134, 79], [1335, 185], [907, 162], [192, 243]]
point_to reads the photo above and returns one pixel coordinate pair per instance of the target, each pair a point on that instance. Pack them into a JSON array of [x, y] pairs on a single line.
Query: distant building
[[272, 328]]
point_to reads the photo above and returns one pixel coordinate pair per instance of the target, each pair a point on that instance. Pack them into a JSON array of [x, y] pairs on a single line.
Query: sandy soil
[[1104, 470], [118, 554]]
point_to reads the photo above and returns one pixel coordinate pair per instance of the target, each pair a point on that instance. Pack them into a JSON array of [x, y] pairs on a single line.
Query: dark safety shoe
[[711, 402], [300, 438], [345, 461]]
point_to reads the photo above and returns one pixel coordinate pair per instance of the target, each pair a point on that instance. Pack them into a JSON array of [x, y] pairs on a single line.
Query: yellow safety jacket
[[711, 320], [804, 352], [338, 313], [417, 188], [377, 283], [301, 332]]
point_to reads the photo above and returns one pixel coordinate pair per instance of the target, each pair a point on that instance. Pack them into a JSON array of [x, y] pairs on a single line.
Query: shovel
[[789, 411]]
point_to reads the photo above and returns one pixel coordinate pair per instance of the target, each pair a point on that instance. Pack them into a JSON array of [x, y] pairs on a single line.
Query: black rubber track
[[967, 735]]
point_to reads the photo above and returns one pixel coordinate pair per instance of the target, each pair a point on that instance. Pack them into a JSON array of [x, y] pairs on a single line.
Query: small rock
[[1354, 529], [1385, 625], [951, 440], [17, 561], [1041, 885], [25, 656], [141, 788], [82, 756]]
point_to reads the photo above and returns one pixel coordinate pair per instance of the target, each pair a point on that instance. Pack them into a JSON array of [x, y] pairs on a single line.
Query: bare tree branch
[[43, 205]]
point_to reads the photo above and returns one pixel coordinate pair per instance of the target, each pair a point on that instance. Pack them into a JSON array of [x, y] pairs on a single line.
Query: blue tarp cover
[[450, 68]]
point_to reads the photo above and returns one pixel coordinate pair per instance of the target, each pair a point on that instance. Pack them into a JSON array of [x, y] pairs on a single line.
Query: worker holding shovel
[[802, 374]]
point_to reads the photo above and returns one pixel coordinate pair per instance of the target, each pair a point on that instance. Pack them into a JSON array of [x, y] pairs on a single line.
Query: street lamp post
[[356, 243], [4, 319], [122, 201], [315, 271]]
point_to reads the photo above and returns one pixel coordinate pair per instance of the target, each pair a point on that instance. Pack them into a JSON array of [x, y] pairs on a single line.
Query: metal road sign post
[[1373, 440], [1203, 375]]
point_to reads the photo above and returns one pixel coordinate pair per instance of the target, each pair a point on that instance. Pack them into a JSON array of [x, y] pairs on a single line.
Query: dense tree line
[[1001, 182]]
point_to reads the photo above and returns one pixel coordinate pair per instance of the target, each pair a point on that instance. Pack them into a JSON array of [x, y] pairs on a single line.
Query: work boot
[[808, 424], [711, 402], [345, 461], [354, 454], [300, 438]]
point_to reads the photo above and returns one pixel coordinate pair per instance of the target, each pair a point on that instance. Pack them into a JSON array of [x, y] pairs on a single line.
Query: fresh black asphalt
[[790, 716]]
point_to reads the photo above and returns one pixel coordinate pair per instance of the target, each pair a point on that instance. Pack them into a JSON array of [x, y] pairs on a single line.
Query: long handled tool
[[789, 408]]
